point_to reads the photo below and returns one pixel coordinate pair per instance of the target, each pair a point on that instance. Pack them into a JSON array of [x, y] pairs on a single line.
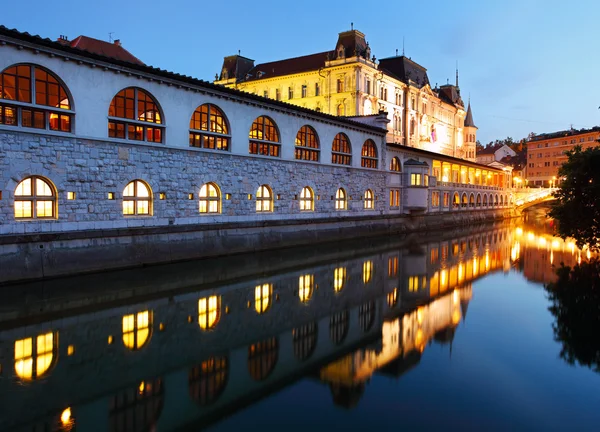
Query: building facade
[[490, 155], [546, 153], [349, 81]]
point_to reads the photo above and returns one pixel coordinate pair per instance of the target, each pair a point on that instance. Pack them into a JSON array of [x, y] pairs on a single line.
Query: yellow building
[[349, 81]]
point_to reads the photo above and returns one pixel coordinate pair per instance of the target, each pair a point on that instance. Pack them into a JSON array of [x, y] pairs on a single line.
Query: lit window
[[209, 312], [340, 110], [210, 198], [306, 199], [136, 329], [369, 155], [367, 271], [137, 199], [392, 266], [209, 129], [366, 315], [415, 179], [394, 197], [305, 340], [207, 380], [34, 356], [395, 164], [264, 199], [306, 284], [262, 358], [35, 198], [369, 203], [340, 200], [307, 144], [340, 85], [262, 297], [413, 283], [338, 326], [341, 151], [49, 110], [264, 137], [339, 279], [392, 298], [135, 115]]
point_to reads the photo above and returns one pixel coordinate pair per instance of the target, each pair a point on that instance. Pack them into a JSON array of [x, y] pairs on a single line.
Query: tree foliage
[[575, 304], [577, 208]]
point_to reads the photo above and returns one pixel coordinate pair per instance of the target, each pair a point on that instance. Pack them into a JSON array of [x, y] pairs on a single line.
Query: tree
[[577, 208], [575, 302]]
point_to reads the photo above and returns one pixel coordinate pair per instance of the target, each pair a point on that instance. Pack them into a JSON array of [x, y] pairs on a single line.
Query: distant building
[[349, 81], [546, 153], [491, 154]]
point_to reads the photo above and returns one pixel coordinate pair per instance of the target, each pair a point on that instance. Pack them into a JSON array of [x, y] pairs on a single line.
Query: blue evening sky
[[528, 65]]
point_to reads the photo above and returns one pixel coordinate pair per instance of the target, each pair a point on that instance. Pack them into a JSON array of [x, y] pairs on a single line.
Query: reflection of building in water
[[209, 347], [403, 340]]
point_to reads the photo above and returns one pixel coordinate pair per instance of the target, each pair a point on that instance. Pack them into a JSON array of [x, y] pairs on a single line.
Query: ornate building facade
[[349, 81]]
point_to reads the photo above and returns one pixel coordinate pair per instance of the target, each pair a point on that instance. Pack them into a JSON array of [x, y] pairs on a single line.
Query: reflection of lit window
[[207, 380], [137, 199], [392, 298], [367, 271], [262, 358], [413, 283], [136, 408], [338, 326], [305, 287], [392, 266], [339, 278], [366, 315], [136, 330], [210, 198], [33, 357], [35, 199], [209, 312], [305, 340], [262, 297]]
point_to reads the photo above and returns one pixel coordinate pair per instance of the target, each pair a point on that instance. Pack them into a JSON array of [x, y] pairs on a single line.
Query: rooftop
[[564, 133]]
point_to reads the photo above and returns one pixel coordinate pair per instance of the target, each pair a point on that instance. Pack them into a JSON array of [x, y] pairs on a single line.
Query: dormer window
[[340, 52]]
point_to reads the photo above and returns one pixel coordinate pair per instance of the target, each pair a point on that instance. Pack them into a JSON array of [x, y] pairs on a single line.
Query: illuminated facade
[[546, 153], [349, 81]]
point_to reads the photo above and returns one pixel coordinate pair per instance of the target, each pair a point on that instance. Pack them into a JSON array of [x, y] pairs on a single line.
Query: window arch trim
[[307, 146], [209, 138], [369, 154], [261, 146], [208, 203], [131, 128], [341, 150], [136, 204], [27, 206]]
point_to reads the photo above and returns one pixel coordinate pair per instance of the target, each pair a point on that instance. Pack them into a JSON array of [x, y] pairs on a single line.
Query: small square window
[[227, 196], [70, 195], [111, 195], [162, 196], [249, 196], [191, 196], [70, 350], [295, 197], [278, 196], [110, 340], [0, 195], [318, 197]]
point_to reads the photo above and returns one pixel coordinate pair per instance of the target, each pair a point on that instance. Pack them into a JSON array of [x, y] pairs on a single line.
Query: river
[[445, 330]]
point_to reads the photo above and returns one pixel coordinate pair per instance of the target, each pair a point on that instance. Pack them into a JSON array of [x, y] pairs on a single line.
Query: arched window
[[35, 198], [209, 128], [264, 199], [392, 298], [501, 200], [340, 110], [35, 356], [465, 200], [369, 203], [264, 138], [51, 108], [307, 202], [306, 284], [307, 144], [338, 326], [305, 340], [340, 199], [455, 200], [369, 155], [496, 200], [137, 408], [137, 199], [136, 329], [366, 315], [491, 200], [341, 151], [210, 198], [134, 115], [472, 200], [208, 379], [339, 279], [262, 297], [478, 202], [209, 312], [262, 358], [485, 202], [367, 271], [395, 164]]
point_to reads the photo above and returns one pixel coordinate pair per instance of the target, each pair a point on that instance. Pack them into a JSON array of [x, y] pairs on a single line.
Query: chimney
[[117, 42], [62, 39]]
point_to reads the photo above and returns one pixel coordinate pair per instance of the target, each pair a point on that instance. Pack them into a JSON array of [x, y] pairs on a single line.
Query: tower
[[470, 135]]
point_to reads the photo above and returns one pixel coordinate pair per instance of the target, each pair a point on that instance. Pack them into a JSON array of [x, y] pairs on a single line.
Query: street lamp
[[553, 181]]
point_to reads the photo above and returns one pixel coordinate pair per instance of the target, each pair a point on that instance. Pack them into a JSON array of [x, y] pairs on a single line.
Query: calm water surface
[[441, 331]]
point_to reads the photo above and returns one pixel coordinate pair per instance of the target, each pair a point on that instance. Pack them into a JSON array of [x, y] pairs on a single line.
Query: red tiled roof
[[294, 65], [107, 49]]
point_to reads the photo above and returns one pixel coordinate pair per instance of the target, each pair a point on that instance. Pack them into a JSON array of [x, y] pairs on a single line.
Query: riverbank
[[49, 255]]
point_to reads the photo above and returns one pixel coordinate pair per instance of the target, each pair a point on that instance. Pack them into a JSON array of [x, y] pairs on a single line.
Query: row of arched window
[[480, 200], [36, 198], [42, 101]]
